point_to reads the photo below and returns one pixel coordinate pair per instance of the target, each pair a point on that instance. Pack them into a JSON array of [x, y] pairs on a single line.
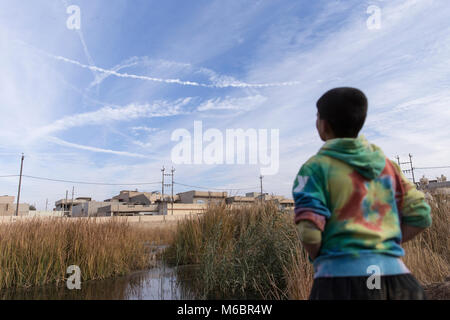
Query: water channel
[[158, 283]]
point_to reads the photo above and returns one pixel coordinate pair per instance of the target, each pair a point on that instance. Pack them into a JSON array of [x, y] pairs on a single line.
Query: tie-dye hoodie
[[358, 199]]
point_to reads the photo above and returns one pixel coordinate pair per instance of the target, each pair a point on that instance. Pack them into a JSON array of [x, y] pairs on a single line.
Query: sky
[[100, 103]]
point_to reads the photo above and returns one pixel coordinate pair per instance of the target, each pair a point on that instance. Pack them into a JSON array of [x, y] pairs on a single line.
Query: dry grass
[[155, 234], [38, 252], [254, 252], [240, 252], [428, 255]]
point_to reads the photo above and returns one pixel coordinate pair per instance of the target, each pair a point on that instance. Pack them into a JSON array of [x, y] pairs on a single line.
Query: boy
[[354, 207]]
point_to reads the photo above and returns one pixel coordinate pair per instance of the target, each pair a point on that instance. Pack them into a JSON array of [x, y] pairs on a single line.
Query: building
[[37, 213], [135, 203], [8, 207], [66, 205], [282, 202], [239, 200], [137, 197], [437, 187], [88, 208], [116, 208], [253, 194], [253, 197], [200, 197], [440, 185]]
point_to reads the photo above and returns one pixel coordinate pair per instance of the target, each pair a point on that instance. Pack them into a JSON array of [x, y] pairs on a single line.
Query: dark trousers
[[395, 287]]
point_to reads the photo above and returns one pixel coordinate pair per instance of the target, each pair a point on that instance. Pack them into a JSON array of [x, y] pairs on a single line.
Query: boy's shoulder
[[318, 164]]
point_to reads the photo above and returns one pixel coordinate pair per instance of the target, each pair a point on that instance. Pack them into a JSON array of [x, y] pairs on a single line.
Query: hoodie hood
[[365, 158]]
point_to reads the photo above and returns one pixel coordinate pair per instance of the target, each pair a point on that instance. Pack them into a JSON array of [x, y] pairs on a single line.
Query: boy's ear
[[329, 131], [324, 129], [320, 125]]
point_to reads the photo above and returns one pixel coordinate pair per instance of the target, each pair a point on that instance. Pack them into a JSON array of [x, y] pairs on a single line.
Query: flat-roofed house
[[240, 200], [253, 194], [200, 197], [116, 208], [8, 207], [66, 205], [88, 208], [137, 197]]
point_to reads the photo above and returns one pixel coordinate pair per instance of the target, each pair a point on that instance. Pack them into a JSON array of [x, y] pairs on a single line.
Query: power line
[[425, 168], [92, 183], [123, 184], [208, 188]]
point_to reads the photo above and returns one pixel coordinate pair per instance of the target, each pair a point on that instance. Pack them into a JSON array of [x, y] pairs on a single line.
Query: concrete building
[[253, 194], [137, 197], [253, 197], [437, 187], [184, 208], [240, 200], [37, 213], [8, 207], [66, 205], [136, 203], [121, 209], [282, 202], [88, 208], [200, 197], [115, 208]]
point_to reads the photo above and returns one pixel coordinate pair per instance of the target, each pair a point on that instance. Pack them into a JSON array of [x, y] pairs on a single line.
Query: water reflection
[[159, 283]]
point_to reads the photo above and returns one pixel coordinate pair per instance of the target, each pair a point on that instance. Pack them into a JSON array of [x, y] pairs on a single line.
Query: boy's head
[[341, 113]]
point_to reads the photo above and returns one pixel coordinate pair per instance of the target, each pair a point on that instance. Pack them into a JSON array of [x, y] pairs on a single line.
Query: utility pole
[[162, 193], [169, 185], [261, 183], [46, 204], [20, 183], [173, 170], [412, 169], [65, 203], [71, 204]]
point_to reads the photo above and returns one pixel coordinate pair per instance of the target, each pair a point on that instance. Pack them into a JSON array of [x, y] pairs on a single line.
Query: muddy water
[[159, 283]]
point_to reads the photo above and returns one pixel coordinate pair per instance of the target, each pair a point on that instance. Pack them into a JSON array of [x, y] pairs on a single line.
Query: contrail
[[126, 75], [83, 43], [95, 149], [224, 84], [237, 84]]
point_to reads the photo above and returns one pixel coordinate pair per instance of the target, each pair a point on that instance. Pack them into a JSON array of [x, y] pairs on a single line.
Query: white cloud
[[144, 129], [107, 114], [94, 149], [230, 103]]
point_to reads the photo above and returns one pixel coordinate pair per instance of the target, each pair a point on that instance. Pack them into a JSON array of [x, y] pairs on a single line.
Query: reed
[[236, 250], [428, 255], [38, 251]]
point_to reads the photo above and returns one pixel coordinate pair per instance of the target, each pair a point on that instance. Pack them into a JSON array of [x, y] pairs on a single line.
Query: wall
[[36, 213]]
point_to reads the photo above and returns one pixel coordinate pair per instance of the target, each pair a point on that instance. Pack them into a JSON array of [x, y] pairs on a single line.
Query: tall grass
[[38, 251], [428, 255], [254, 252], [240, 252]]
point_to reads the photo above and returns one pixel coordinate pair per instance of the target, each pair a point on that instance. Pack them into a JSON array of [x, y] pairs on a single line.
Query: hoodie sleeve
[[412, 206], [309, 197]]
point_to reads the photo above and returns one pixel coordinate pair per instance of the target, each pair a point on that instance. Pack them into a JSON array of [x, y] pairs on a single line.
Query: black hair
[[345, 110]]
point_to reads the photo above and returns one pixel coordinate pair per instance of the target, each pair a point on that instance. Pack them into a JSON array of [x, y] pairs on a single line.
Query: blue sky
[[74, 119]]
